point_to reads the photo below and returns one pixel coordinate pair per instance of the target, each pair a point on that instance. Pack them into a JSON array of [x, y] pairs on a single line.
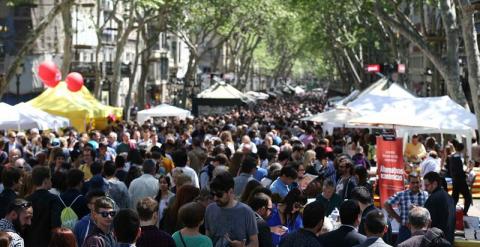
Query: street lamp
[[19, 73]]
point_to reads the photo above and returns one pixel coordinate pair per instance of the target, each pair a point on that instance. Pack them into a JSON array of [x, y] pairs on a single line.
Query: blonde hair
[[308, 157]]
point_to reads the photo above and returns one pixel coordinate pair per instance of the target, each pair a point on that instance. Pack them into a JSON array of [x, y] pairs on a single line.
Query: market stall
[[163, 110], [81, 109]]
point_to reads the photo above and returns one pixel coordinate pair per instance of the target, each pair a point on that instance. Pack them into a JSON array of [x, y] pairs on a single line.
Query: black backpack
[[434, 237]]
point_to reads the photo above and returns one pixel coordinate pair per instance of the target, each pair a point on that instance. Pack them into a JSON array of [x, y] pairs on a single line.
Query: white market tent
[[380, 88], [221, 90], [339, 115], [163, 110], [437, 114], [53, 122], [15, 119], [257, 95]]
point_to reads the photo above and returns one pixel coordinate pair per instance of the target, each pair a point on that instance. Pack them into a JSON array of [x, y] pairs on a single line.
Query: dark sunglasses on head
[[105, 214], [217, 193], [24, 205]]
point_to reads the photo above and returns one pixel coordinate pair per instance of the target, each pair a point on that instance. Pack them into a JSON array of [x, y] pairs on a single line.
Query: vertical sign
[[390, 167]]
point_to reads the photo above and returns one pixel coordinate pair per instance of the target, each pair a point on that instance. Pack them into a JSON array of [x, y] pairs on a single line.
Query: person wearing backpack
[[74, 203], [85, 225]]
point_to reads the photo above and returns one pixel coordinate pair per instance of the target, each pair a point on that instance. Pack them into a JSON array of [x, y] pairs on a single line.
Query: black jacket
[[455, 165], [345, 236], [46, 216], [442, 211], [264, 234]]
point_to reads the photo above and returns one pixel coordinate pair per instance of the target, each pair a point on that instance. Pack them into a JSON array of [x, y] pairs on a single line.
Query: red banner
[[390, 167]]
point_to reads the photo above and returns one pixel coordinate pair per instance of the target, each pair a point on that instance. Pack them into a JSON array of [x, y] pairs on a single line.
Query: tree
[[448, 67], [30, 42], [471, 50]]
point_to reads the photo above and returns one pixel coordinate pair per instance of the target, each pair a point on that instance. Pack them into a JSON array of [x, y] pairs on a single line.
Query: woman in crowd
[[164, 195], [346, 181], [185, 194], [361, 175], [191, 215], [286, 215]]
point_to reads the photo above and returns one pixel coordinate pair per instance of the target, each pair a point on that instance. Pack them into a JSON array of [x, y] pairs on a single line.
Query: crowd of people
[[252, 177]]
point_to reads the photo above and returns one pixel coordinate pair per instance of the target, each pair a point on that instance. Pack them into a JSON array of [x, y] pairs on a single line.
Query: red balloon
[[49, 73], [74, 81]]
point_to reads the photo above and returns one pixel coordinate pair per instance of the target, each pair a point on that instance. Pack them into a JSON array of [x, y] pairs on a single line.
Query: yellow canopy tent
[[80, 107]]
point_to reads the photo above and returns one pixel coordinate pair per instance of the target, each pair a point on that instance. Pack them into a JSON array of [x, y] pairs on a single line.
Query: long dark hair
[[185, 194], [293, 199]]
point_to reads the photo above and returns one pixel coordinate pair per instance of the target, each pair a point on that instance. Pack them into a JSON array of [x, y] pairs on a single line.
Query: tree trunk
[[452, 80], [145, 68], [131, 80], [449, 18], [473, 54], [117, 72], [67, 41], [120, 48], [29, 43], [189, 76], [97, 90]]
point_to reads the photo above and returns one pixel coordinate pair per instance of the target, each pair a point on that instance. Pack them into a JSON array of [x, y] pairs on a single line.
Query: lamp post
[[19, 73]]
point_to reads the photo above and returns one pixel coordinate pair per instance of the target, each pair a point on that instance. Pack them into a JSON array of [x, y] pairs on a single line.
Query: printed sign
[[390, 167]]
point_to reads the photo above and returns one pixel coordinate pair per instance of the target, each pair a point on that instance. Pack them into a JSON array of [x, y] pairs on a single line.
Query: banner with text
[[390, 167]]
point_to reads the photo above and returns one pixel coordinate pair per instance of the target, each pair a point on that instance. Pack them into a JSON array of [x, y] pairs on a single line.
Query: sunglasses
[[217, 193], [24, 205], [105, 214]]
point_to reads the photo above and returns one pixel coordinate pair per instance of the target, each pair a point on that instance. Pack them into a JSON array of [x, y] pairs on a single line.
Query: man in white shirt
[[430, 164], [145, 185], [180, 159]]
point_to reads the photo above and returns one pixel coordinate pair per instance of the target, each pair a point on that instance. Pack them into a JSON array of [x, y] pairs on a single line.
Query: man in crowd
[[365, 201], [431, 164], [12, 182], [406, 200], [280, 186], [101, 234], [261, 204], [415, 151], [72, 196], [47, 207], [346, 235], [18, 216], [116, 188], [440, 205], [85, 225], [419, 221], [248, 168], [180, 159], [150, 236], [197, 156], [145, 185], [459, 178], [329, 198], [375, 228], [313, 216], [228, 221], [126, 227]]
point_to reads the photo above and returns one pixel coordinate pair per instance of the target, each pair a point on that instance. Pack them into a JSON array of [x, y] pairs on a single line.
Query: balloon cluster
[[51, 76]]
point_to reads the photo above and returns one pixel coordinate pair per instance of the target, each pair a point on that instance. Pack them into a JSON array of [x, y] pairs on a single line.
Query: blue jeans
[[403, 234]]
